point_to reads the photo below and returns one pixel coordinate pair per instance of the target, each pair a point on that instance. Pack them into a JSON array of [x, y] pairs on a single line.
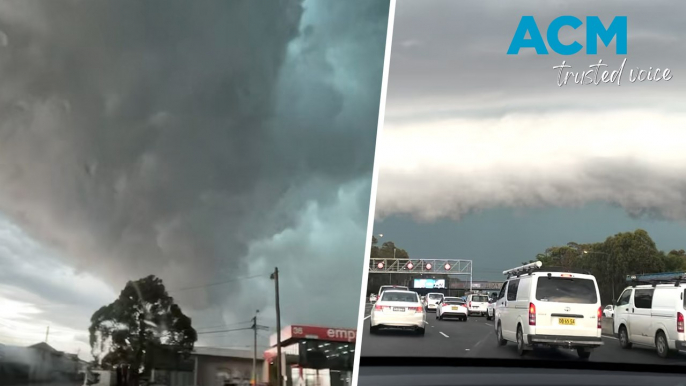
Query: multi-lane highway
[[476, 339]]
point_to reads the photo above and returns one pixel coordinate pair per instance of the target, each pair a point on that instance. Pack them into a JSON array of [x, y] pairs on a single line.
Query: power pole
[[47, 332], [255, 327], [275, 277]]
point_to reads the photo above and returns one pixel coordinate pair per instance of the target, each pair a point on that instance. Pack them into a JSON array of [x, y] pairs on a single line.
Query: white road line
[[444, 334], [426, 322], [367, 317], [609, 337], [488, 324]]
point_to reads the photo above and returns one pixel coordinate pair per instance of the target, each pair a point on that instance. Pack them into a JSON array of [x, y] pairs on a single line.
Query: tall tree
[[142, 319]]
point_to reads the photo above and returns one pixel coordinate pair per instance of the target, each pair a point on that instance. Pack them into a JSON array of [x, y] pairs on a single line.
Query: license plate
[[454, 308], [566, 321], [399, 309], [475, 306]]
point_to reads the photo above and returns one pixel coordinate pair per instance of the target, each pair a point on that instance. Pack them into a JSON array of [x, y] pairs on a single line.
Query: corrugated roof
[[225, 352]]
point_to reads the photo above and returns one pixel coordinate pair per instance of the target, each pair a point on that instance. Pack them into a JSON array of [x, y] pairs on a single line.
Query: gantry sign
[[421, 266]]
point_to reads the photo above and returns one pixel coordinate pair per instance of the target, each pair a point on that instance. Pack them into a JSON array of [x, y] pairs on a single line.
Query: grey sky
[[199, 144], [484, 157], [451, 55]]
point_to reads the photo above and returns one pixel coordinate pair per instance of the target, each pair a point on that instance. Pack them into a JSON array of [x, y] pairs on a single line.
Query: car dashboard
[[522, 375]]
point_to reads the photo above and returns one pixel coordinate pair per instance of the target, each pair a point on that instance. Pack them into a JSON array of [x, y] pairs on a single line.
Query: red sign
[[331, 334]]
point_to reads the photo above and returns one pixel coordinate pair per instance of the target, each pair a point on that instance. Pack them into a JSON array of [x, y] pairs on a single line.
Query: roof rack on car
[[524, 269], [657, 278]]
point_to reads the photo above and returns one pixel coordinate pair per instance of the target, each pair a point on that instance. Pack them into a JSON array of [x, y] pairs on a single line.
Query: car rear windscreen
[[399, 297], [435, 296], [455, 302], [480, 299], [566, 290]]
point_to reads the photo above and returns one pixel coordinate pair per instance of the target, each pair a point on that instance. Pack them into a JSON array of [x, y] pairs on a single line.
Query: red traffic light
[[447, 267], [428, 265], [379, 266], [410, 265]]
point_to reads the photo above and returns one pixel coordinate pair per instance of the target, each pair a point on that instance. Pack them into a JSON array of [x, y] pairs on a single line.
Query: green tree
[[612, 260], [386, 251], [143, 318]]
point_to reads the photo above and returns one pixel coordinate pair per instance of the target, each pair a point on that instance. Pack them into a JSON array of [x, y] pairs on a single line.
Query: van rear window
[[435, 296], [480, 298], [566, 290]]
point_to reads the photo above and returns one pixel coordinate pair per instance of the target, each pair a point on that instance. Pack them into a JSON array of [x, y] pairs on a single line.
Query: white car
[[372, 298], [549, 308], [609, 311], [652, 316], [432, 299], [452, 308], [399, 309], [477, 304], [490, 311]]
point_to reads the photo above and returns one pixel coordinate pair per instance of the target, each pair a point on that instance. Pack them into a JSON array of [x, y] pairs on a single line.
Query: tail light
[[600, 316], [444, 305], [532, 314], [470, 305], [679, 322], [378, 307], [418, 310]]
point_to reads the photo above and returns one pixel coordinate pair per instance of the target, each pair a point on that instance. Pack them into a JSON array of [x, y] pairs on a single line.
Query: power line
[[218, 283], [231, 330], [223, 325]]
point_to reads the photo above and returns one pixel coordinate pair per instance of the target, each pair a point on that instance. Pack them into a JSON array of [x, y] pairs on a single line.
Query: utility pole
[[256, 327], [254, 355], [275, 277], [47, 332]]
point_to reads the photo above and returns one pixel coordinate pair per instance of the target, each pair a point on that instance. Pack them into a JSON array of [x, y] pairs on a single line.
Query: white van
[[545, 308], [652, 316], [477, 304], [432, 299]]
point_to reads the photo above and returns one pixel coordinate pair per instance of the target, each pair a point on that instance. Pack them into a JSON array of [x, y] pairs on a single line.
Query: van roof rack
[[524, 269], [657, 278]]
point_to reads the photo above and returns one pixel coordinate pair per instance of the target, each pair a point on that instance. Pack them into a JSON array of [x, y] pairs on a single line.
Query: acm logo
[[594, 30]]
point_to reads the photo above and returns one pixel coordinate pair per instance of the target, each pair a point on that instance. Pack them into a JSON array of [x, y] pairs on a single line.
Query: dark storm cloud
[[154, 137], [450, 56]]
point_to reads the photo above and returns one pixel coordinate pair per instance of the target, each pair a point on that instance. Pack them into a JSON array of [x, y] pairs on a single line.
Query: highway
[[476, 339]]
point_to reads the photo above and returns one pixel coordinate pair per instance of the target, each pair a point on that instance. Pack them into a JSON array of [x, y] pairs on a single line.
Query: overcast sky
[[484, 157], [201, 144]]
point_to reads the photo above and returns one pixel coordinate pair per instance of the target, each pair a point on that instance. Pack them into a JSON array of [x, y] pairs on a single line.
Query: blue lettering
[[554, 35], [595, 30], [527, 24]]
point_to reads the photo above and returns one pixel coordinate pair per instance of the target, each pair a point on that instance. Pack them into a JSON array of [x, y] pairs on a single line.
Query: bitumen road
[[475, 338]]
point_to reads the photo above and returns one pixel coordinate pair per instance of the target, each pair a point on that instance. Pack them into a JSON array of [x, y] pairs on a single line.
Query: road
[[476, 339]]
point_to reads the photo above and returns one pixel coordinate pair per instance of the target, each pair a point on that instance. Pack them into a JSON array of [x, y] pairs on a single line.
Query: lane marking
[[367, 317], [488, 324], [426, 322], [609, 337], [444, 334]]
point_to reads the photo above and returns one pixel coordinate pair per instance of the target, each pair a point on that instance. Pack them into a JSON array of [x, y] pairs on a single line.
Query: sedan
[[490, 311], [452, 308], [398, 309], [609, 311]]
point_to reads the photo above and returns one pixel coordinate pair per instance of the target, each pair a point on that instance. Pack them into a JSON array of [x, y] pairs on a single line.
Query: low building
[[206, 366]]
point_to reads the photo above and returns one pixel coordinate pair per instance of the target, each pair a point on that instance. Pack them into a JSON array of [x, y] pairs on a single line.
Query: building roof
[[224, 352], [44, 346]]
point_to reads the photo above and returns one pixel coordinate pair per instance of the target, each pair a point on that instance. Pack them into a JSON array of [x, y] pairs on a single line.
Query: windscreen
[[454, 301], [566, 290], [434, 296], [390, 296], [480, 299]]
